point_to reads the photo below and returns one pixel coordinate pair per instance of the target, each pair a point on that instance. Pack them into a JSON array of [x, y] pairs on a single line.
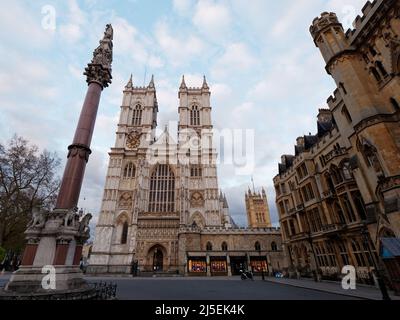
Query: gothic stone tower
[[365, 64], [156, 187], [257, 210]]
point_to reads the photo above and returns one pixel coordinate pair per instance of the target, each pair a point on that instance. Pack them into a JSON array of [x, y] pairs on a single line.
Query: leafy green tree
[[27, 179]]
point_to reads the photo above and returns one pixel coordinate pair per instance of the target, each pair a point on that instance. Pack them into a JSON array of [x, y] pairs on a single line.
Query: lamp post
[[381, 283]]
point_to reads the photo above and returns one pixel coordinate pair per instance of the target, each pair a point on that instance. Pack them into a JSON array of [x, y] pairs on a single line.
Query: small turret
[[151, 84], [205, 86], [129, 85], [328, 35]]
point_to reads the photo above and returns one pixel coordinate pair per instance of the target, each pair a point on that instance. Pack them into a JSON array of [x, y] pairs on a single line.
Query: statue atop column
[[99, 70], [56, 238]]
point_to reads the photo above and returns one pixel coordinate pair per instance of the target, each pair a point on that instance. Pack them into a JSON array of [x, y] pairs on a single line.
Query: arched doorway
[[158, 260]]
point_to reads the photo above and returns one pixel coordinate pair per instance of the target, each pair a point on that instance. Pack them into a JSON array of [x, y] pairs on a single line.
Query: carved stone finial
[[183, 84], [205, 85], [151, 84], [99, 70], [130, 83]]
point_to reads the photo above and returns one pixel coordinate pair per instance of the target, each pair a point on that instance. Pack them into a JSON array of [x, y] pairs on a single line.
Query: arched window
[[346, 113], [376, 74], [274, 246], [358, 253], [224, 246], [257, 246], [162, 190], [124, 235], [381, 69], [348, 208], [195, 116], [209, 246], [359, 203], [339, 212], [336, 174], [371, 155], [129, 171], [395, 104], [137, 115], [346, 170]]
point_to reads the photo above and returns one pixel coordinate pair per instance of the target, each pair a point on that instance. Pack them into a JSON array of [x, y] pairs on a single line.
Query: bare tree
[[27, 179]]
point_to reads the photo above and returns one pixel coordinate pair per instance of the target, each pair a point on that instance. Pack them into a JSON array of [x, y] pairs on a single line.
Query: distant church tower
[[257, 209]]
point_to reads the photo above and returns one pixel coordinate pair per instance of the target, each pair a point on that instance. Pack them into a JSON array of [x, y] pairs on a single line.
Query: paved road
[[207, 289], [203, 289]]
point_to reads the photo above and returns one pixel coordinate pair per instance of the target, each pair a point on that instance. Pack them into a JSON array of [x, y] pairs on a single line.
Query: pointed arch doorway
[[156, 258]]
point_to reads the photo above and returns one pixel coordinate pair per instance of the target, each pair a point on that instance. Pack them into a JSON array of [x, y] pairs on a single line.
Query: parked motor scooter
[[246, 275]]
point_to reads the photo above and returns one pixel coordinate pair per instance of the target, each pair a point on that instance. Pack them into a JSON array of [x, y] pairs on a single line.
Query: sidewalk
[[362, 291]]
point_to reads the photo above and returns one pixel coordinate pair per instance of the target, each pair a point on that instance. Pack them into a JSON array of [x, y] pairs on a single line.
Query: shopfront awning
[[390, 248]]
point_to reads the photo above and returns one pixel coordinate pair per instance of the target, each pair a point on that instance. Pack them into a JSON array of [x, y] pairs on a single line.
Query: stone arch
[[156, 258], [196, 200], [386, 232], [121, 233], [198, 219]]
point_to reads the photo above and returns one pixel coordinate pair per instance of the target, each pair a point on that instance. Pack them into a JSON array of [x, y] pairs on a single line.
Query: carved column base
[[28, 280]]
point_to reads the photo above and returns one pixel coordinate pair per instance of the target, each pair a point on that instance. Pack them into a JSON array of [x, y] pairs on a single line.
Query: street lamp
[[382, 286]]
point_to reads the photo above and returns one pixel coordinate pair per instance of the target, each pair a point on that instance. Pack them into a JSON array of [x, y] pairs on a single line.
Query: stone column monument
[[55, 239]]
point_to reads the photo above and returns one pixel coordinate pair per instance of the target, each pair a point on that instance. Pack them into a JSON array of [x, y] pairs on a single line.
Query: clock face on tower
[[133, 140]]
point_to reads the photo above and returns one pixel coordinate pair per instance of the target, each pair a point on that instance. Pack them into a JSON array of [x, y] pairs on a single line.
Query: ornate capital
[[99, 70], [79, 150]]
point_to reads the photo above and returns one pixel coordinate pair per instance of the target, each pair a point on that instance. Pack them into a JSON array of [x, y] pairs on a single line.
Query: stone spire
[[129, 84], [183, 84], [151, 84], [225, 202], [99, 70], [205, 85]]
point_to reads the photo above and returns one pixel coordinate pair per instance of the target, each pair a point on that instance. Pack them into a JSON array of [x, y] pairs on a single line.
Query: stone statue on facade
[[84, 225], [39, 219]]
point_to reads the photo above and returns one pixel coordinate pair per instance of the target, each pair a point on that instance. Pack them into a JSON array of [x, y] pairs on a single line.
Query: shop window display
[[218, 266]]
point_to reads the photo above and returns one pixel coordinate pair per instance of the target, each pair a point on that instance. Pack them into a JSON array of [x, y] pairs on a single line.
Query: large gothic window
[[195, 116], [124, 236], [137, 116], [224, 246], [162, 190], [129, 171]]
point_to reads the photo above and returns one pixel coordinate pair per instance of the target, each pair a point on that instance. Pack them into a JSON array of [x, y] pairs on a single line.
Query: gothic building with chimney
[[338, 195]]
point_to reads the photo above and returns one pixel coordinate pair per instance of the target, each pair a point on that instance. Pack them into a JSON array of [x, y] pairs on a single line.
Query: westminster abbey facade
[[163, 211]]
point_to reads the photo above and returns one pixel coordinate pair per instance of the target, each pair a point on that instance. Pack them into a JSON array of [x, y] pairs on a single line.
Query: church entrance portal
[[158, 258]]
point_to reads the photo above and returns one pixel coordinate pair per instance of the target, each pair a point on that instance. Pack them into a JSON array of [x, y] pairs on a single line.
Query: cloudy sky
[[262, 66]]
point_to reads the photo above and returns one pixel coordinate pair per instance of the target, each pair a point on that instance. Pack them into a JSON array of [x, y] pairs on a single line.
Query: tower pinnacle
[[130, 83], [183, 84]]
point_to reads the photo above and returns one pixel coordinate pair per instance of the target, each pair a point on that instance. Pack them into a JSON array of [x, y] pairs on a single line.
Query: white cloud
[[212, 19], [346, 10], [180, 49], [129, 42], [18, 25], [183, 7], [236, 58], [72, 30]]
